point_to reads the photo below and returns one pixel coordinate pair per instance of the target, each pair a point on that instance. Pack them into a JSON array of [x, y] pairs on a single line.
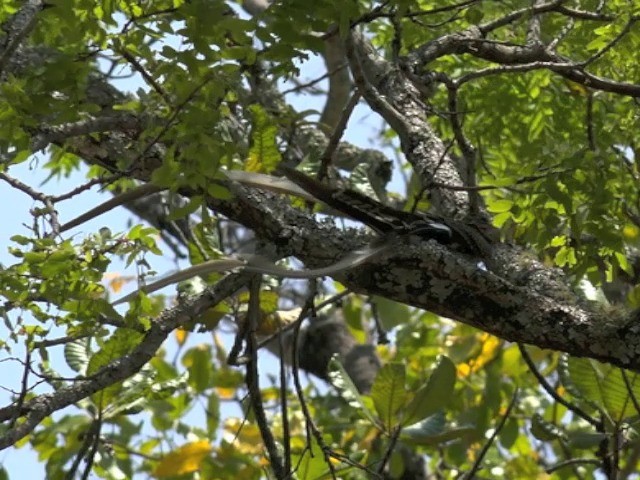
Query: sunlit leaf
[[341, 380], [389, 393], [186, 459], [434, 395]]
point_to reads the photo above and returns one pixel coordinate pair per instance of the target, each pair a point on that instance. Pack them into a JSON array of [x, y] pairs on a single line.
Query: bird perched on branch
[[465, 237]]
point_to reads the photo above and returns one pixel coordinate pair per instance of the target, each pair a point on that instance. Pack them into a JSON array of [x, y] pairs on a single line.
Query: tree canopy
[[475, 318]]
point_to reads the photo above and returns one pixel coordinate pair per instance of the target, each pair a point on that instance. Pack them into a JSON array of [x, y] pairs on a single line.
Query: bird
[[463, 236]]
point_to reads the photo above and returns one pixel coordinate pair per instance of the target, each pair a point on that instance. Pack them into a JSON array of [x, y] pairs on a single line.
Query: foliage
[[157, 391]]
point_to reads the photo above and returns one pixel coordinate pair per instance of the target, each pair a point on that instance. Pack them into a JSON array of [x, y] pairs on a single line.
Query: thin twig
[[91, 456], [126, 197], [591, 138], [82, 188], [390, 448], [252, 380], [476, 465], [311, 428], [336, 135], [572, 462], [284, 410], [552, 392], [381, 333], [23, 389], [146, 75], [630, 391], [23, 187]]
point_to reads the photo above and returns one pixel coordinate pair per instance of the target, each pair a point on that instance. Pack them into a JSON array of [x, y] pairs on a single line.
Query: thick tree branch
[[16, 29], [391, 95], [473, 42]]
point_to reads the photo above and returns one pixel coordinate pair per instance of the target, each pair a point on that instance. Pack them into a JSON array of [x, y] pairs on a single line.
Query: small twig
[[517, 14], [23, 187], [53, 218], [61, 340], [627, 383], [126, 197], [23, 389], [468, 150], [589, 119], [476, 465], [425, 187], [553, 44], [252, 380], [612, 43], [396, 41], [524, 67], [378, 13], [614, 448], [82, 188], [353, 463], [584, 14], [284, 410], [552, 392], [90, 458], [381, 333], [89, 439], [315, 81], [392, 445], [520, 181], [308, 308], [572, 462], [336, 135], [146, 75]]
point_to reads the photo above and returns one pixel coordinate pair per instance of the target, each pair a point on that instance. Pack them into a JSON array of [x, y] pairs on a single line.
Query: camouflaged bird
[[467, 237]]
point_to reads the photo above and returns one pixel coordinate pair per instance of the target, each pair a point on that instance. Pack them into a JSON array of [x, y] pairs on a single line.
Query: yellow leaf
[[181, 336], [186, 459], [116, 281], [270, 324], [226, 393], [463, 370], [245, 437], [489, 349], [253, 163], [577, 88], [630, 232]]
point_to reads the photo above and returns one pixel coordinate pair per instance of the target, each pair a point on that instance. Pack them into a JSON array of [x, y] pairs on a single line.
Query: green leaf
[[391, 313], [389, 393], [431, 431], [184, 211], [509, 433], [77, 353], [199, 363], [602, 385], [340, 379], [585, 440], [264, 155], [311, 464], [434, 395], [543, 430], [219, 191], [118, 345], [500, 206]]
